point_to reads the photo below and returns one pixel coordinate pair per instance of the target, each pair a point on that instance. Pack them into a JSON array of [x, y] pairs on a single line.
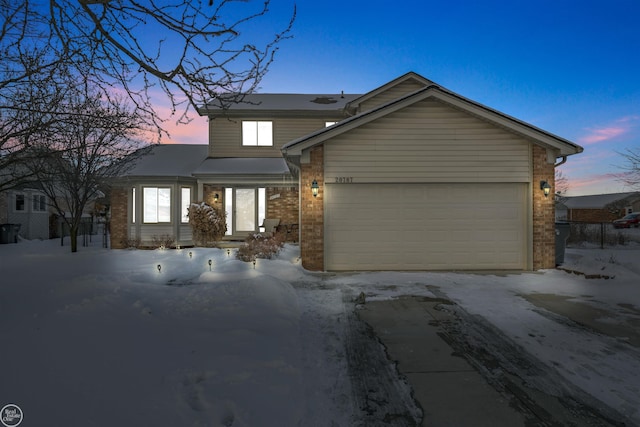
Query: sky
[[568, 67]]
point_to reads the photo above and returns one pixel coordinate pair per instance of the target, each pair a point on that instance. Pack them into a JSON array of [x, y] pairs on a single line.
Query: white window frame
[[133, 205], [257, 133], [185, 203], [153, 211], [39, 203], [24, 202]]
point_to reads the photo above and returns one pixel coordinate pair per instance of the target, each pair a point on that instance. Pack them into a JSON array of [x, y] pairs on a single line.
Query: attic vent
[[324, 100]]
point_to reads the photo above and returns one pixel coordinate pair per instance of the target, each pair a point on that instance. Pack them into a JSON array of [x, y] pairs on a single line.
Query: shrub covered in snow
[[260, 246], [208, 223], [164, 241]]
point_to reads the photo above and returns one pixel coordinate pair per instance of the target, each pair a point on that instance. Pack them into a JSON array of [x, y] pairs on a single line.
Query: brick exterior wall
[[283, 203], [118, 223], [544, 243], [312, 212], [210, 191]]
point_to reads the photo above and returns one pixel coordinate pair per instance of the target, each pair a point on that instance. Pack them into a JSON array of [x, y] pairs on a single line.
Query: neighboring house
[[28, 207], [409, 176], [601, 207]]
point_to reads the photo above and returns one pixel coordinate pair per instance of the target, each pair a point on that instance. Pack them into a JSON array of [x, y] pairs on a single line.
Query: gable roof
[[598, 201], [526, 130], [410, 76]]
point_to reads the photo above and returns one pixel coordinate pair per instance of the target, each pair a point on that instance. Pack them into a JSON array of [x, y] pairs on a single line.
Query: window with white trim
[[39, 203], [156, 204], [185, 202], [133, 205], [257, 133], [19, 205], [327, 124]]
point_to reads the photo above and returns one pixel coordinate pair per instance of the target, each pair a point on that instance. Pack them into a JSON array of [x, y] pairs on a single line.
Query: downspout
[[562, 162]]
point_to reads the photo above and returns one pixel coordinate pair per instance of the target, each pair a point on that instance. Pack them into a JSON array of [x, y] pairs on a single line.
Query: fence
[[601, 234]]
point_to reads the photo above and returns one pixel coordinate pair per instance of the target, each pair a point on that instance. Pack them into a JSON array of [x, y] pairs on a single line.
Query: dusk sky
[[569, 67]]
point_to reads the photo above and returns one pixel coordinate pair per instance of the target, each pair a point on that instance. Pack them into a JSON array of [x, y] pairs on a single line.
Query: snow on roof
[[243, 166], [170, 160], [596, 201], [288, 101]]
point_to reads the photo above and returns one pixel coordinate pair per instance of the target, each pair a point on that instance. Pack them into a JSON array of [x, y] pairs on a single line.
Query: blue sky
[[569, 67]]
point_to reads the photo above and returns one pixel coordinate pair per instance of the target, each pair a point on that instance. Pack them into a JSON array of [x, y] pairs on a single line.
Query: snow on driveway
[[103, 337]]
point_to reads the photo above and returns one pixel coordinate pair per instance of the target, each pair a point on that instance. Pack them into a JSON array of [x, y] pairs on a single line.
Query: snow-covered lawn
[[102, 337]]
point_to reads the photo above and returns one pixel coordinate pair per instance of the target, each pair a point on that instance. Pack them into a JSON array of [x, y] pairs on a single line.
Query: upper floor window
[[39, 203], [19, 206], [257, 134], [327, 124]]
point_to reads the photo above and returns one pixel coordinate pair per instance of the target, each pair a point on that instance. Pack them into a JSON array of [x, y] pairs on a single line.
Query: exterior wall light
[[216, 197], [545, 187], [314, 188]]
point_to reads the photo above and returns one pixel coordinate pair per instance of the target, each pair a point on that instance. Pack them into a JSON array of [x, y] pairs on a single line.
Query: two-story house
[[409, 176]]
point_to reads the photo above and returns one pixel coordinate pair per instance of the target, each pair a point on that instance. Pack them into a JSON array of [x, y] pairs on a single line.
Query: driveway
[[464, 372]]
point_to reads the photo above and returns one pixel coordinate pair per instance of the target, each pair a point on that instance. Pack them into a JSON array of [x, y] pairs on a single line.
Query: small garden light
[[228, 252], [254, 264], [159, 268], [314, 188], [190, 255], [545, 187], [209, 265]]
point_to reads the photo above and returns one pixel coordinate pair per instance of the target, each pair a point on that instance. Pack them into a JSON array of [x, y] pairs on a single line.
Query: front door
[[245, 210]]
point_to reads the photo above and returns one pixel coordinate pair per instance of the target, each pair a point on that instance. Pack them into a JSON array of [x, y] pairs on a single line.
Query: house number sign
[[344, 180]]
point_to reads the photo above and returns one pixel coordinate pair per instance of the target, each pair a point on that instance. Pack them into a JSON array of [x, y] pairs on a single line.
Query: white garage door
[[425, 226]]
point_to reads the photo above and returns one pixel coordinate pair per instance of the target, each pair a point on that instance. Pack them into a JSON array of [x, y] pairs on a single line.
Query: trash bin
[[563, 229], [9, 233], [4, 233]]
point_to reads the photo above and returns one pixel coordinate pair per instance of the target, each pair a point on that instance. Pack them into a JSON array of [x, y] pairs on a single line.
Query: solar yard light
[[159, 268], [190, 255], [209, 265], [314, 188], [545, 187]]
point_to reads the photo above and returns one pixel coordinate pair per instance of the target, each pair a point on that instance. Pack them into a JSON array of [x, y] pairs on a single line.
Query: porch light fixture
[[216, 197], [314, 188], [545, 187]]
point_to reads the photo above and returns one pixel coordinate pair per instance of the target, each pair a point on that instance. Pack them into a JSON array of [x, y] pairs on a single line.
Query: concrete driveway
[[447, 360]]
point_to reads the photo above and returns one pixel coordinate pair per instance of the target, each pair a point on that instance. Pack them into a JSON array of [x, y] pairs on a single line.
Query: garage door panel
[[425, 226]]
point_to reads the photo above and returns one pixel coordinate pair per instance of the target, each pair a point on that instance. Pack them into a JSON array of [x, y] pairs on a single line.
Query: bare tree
[[192, 51], [561, 183], [631, 174], [92, 141]]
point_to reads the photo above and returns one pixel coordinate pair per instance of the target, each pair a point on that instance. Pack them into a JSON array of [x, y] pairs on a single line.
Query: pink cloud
[[619, 127]]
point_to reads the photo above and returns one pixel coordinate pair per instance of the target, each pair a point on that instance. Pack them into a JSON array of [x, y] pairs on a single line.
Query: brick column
[[544, 233], [312, 212], [118, 222]]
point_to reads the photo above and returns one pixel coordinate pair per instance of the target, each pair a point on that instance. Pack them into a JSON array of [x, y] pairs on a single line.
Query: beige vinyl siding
[[428, 142], [225, 136], [391, 94]]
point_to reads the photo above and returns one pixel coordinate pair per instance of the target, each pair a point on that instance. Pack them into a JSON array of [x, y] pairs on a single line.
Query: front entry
[[245, 208]]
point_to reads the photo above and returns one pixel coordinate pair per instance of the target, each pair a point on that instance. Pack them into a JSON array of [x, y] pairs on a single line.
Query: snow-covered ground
[[103, 337]]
